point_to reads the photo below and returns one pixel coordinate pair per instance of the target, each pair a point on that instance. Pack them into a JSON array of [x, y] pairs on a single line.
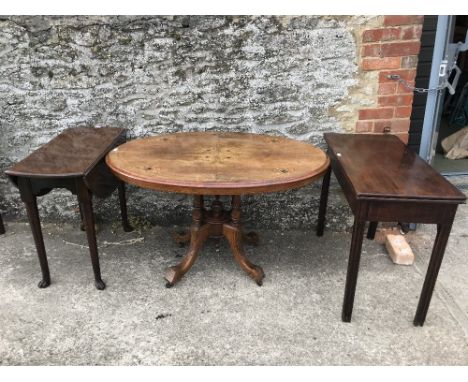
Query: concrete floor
[[217, 315]]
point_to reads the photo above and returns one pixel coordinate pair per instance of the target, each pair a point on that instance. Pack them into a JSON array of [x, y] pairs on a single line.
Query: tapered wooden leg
[[371, 230], [2, 227], [323, 202], [353, 268], [123, 208], [34, 221], [82, 224], [85, 200], [443, 233]]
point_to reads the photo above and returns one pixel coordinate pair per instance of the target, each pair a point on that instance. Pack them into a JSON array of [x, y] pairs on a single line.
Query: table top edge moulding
[[59, 143], [212, 155]]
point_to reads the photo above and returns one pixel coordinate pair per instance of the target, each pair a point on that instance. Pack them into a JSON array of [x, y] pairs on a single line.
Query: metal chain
[[396, 77]]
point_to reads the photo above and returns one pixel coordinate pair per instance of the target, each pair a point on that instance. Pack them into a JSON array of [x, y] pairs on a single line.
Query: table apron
[[409, 211], [100, 181]]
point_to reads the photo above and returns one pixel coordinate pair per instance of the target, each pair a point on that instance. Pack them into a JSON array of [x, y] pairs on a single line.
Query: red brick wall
[[392, 48]]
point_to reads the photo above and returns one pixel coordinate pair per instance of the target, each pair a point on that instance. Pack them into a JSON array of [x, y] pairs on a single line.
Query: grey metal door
[[435, 97]]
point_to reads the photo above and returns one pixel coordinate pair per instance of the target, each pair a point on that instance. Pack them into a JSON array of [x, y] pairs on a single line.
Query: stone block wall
[[293, 76]]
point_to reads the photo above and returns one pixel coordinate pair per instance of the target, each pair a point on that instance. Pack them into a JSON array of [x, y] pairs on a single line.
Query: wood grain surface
[[74, 152], [381, 166], [211, 163]]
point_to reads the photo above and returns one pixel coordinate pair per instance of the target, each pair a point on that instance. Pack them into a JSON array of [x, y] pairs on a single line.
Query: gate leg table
[[217, 164], [384, 181], [73, 160]]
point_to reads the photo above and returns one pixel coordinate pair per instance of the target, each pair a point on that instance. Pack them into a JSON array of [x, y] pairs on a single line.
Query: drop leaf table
[[73, 160]]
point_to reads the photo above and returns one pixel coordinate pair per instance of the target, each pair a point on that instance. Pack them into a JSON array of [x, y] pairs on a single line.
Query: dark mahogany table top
[[74, 152], [381, 166]]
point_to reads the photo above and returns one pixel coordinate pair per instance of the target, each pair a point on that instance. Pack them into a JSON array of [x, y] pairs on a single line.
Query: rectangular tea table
[[383, 180]]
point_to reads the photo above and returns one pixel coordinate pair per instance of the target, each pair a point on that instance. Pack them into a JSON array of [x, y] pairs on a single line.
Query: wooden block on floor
[[399, 250], [381, 234]]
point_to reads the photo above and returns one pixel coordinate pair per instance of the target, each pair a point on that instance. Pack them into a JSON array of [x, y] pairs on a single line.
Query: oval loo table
[[217, 164]]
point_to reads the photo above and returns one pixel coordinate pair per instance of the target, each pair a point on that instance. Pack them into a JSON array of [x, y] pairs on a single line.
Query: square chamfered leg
[[2, 227], [353, 262], [29, 199], [438, 250], [323, 202], [85, 201], [123, 208], [372, 230]]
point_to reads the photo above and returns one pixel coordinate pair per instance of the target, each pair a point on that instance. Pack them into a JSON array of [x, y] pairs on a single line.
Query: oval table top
[[214, 163]]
